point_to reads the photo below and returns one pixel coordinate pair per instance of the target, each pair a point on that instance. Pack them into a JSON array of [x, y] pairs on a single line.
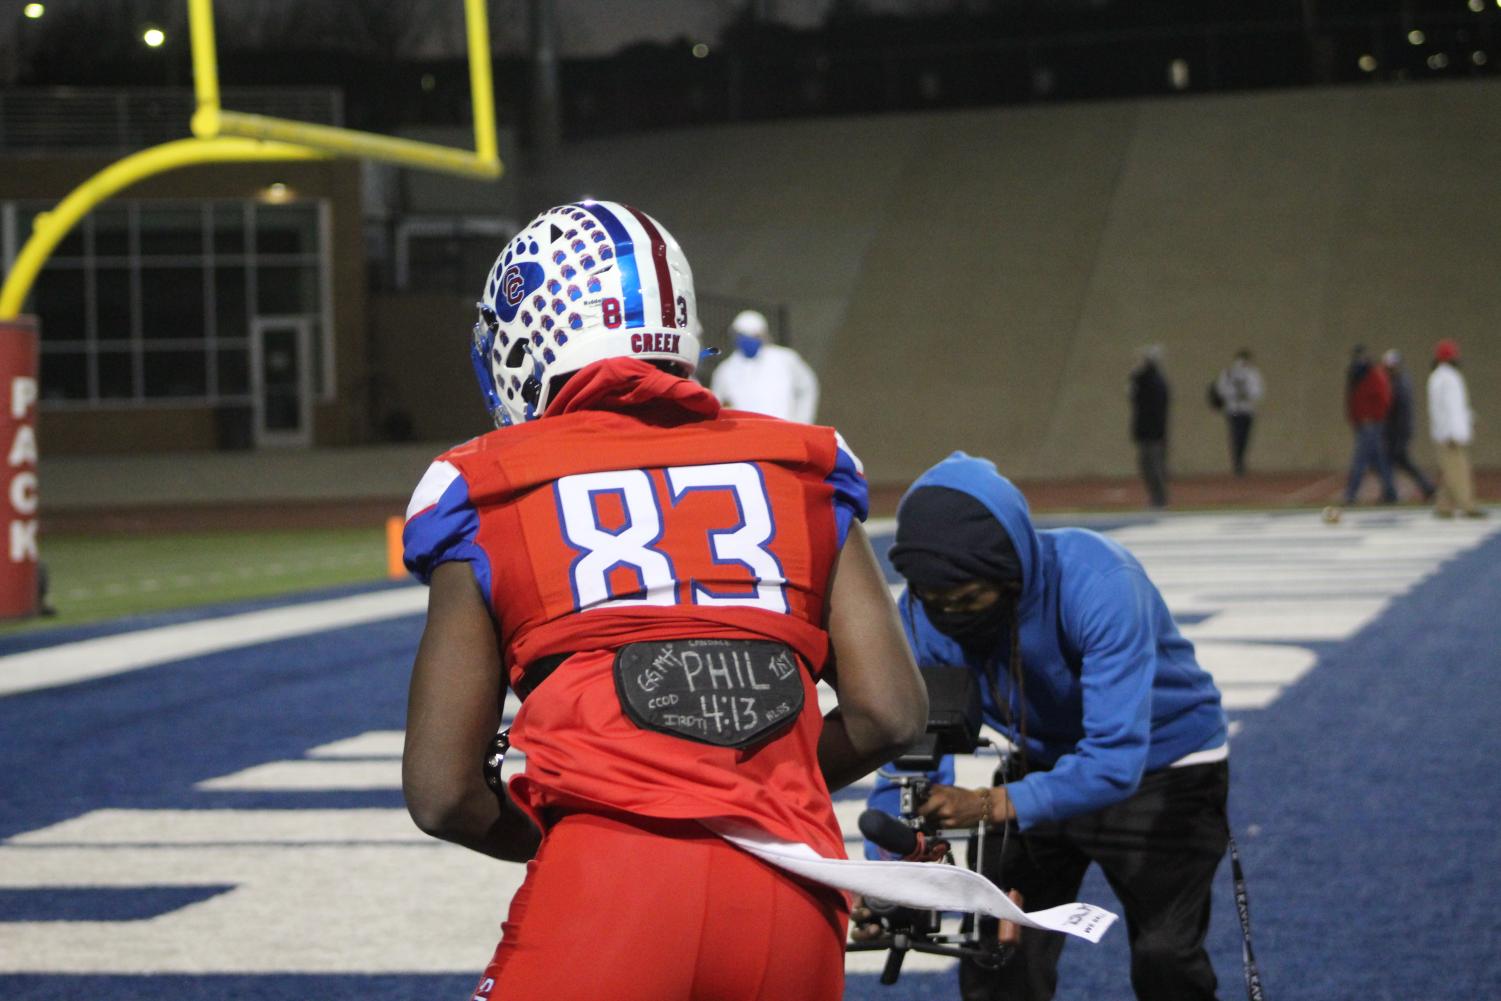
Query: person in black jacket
[[1398, 430], [1149, 403]]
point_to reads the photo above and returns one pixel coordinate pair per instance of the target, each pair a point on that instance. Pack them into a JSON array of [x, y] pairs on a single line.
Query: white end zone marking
[[371, 744], [306, 776], [71, 663]]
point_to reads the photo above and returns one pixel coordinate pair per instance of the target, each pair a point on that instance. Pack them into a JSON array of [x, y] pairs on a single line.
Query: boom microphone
[[886, 831]]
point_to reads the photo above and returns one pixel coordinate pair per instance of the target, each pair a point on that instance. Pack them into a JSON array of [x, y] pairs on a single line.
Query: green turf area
[[90, 579]]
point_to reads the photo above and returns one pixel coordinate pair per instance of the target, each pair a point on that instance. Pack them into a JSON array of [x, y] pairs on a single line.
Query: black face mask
[[978, 632]]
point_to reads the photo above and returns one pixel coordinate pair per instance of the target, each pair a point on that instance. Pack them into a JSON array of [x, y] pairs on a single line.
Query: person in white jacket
[[1451, 423], [1240, 389], [763, 377]]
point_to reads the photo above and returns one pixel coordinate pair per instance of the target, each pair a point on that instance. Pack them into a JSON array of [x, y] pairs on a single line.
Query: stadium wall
[[426, 388], [982, 279]]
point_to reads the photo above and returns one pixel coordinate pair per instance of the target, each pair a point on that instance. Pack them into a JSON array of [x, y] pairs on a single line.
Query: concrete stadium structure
[[981, 279]]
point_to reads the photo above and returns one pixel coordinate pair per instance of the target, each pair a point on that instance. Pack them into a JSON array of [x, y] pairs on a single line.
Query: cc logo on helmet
[[513, 285]]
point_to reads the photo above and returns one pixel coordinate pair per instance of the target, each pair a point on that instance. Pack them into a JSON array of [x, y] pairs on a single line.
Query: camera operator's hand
[[952, 807], [864, 925], [1009, 932]]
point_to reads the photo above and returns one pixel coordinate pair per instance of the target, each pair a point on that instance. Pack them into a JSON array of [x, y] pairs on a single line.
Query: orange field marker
[[395, 568]]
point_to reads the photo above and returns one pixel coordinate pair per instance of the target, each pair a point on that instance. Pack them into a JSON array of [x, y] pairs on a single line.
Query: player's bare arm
[[453, 710], [883, 704]]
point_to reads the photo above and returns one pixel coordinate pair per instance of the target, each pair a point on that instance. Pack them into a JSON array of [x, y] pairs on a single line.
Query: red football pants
[[618, 908]]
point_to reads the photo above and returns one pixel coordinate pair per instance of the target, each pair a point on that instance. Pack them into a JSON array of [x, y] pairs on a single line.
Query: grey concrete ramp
[[982, 279], [962, 327]]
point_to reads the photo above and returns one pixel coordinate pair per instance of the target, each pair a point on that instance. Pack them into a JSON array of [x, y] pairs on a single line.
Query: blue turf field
[[1364, 799]]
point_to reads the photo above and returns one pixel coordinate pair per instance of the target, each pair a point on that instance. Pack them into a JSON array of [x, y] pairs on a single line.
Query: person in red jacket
[[662, 582], [1368, 398]]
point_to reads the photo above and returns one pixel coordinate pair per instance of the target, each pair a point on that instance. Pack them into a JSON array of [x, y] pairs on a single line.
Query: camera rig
[[954, 718]]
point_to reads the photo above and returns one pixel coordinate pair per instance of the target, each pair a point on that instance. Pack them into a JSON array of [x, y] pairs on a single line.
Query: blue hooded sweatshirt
[[1112, 688]]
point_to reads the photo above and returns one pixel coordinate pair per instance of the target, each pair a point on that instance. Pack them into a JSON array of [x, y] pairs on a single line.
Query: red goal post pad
[[18, 409]]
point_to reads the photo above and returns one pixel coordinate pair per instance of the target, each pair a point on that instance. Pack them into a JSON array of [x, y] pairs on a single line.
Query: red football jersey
[[637, 510]]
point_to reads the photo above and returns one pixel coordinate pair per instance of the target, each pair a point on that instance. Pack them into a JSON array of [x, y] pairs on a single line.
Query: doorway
[[281, 386]]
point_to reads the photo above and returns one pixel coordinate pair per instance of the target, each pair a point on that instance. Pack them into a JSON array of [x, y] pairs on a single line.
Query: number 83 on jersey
[[708, 544]]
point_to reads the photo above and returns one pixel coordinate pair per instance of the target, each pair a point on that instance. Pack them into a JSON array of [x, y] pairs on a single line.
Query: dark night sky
[[586, 30], [586, 27]]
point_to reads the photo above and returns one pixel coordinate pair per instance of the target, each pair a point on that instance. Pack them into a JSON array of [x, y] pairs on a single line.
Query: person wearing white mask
[[764, 377]]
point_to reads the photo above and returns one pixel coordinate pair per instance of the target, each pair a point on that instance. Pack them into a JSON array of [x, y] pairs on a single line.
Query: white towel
[[924, 885]]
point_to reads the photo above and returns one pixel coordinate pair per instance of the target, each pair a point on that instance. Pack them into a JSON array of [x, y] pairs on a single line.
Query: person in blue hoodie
[[1121, 755]]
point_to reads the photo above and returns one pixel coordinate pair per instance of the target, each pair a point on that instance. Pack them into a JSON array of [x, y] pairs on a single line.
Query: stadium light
[[277, 193], [1476, 5], [1368, 63], [34, 10], [700, 51], [1177, 74], [1416, 37], [154, 38], [1478, 57]]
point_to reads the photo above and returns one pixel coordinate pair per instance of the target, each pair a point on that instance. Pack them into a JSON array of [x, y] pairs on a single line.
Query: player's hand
[[1009, 932], [950, 806], [863, 924]]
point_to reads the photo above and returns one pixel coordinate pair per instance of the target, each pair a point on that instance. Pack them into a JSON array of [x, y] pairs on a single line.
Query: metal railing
[[122, 120]]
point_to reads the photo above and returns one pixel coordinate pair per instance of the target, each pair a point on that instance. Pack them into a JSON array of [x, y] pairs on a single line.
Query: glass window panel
[[65, 375], [175, 373], [71, 245], [111, 232], [286, 229], [112, 293], [171, 303], [116, 376], [229, 228], [230, 301], [171, 230], [234, 372], [60, 299], [286, 290]]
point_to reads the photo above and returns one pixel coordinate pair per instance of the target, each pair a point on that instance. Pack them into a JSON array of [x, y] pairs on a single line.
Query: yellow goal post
[[223, 136], [211, 121]]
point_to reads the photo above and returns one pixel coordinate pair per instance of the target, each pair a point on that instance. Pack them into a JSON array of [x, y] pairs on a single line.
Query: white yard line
[[70, 663]]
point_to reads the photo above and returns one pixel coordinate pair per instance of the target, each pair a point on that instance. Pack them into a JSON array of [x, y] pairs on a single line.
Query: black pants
[[1240, 438], [1159, 850], [1396, 451], [1151, 459]]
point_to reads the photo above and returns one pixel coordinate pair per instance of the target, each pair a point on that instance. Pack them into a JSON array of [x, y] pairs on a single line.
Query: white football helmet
[[579, 284]]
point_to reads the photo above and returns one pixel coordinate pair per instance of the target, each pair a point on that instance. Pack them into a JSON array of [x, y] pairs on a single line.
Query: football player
[[662, 582]]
